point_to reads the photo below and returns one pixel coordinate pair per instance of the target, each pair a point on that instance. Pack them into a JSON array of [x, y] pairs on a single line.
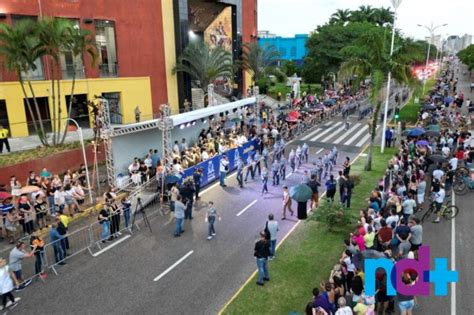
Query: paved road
[[121, 279]]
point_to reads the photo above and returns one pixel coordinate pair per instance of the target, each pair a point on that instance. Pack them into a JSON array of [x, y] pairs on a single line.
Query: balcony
[[108, 70], [71, 70]]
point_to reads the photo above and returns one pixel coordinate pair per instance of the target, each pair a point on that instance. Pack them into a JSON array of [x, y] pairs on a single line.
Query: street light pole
[[81, 139], [430, 29], [395, 4]]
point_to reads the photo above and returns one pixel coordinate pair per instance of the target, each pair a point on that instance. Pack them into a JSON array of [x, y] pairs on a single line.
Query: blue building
[[290, 48]]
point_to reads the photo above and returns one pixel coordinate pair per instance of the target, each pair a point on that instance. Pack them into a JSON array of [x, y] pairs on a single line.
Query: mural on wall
[[219, 32]]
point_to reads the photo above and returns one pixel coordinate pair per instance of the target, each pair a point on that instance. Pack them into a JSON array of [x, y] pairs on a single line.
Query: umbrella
[[330, 102], [422, 143], [172, 179], [432, 133], [4, 195], [436, 158], [415, 132], [301, 193], [433, 128], [291, 119], [29, 189], [429, 106]]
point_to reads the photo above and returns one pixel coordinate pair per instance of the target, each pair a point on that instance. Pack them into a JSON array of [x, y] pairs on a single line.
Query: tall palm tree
[[383, 15], [20, 47], [365, 13], [260, 61], [340, 16], [368, 58], [204, 64], [53, 35], [78, 41]]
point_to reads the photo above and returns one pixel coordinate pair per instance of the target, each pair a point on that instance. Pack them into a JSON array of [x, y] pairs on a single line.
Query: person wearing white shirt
[[445, 151], [60, 198], [148, 162], [438, 201], [223, 169], [133, 168], [438, 173], [454, 162]]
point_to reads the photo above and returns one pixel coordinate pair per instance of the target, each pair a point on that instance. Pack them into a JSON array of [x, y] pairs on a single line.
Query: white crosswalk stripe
[[363, 140], [347, 133], [357, 135], [311, 134], [326, 131]]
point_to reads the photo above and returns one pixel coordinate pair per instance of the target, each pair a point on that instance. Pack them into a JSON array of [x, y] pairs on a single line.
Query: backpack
[[267, 232]]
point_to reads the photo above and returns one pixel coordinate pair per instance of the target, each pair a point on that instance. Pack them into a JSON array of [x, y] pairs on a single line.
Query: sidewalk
[[32, 142]]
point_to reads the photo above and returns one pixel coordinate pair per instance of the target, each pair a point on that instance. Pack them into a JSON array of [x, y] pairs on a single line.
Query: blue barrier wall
[[211, 167]]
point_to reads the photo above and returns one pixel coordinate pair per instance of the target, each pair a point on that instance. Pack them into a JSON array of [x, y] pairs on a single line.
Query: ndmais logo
[[440, 276]]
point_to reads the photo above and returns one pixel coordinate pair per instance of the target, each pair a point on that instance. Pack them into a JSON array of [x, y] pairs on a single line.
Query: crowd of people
[[390, 226]]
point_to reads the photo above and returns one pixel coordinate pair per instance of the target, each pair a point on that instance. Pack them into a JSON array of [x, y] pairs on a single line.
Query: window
[[70, 64], [293, 51], [282, 52], [107, 52], [115, 110], [32, 74]]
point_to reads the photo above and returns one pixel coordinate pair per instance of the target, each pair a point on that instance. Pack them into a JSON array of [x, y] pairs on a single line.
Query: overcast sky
[[289, 17]]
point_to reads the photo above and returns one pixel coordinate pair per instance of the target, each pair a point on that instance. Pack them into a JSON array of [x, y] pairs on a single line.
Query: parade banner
[[210, 167]]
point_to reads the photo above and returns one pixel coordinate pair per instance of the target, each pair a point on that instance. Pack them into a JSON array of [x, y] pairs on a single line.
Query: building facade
[[137, 44], [290, 48]]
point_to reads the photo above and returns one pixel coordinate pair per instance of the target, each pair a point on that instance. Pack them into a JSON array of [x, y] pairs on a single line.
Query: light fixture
[[203, 120], [193, 123], [182, 126], [188, 124]]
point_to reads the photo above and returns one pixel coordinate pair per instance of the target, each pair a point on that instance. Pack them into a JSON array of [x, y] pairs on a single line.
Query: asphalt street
[[194, 275]]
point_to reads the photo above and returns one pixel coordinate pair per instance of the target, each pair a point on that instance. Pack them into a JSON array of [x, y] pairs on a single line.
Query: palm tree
[[367, 57], [20, 47], [382, 16], [365, 13], [341, 16], [258, 60], [53, 35], [204, 64], [78, 41]]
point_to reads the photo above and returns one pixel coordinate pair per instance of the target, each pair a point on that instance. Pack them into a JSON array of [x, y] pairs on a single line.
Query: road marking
[[311, 134], [278, 246], [363, 141], [453, 258], [348, 132], [246, 208], [326, 131], [320, 150], [111, 245], [288, 175], [356, 136], [164, 273]]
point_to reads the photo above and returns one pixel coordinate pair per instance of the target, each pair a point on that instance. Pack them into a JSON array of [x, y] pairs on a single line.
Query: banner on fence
[[210, 167]]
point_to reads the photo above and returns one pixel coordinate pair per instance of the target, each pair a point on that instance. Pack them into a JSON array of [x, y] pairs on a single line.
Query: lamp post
[[430, 29], [395, 4], [81, 139]]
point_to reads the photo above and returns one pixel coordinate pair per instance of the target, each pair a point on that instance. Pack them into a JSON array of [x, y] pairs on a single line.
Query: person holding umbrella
[[301, 193]]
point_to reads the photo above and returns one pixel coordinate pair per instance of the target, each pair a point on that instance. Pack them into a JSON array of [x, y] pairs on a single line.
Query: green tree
[[77, 42], [290, 68], [365, 13], [340, 16], [204, 64], [20, 47], [382, 16], [53, 36], [467, 56], [369, 57], [259, 61]]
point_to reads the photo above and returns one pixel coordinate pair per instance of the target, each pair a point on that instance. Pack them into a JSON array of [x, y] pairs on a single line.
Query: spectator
[[56, 240], [261, 253], [273, 228], [211, 219], [16, 257], [8, 281], [179, 211]]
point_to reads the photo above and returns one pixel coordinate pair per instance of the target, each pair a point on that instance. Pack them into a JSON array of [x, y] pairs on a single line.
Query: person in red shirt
[[384, 235], [460, 154]]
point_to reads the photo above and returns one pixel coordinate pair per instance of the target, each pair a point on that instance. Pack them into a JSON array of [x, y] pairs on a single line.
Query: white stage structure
[[124, 142]]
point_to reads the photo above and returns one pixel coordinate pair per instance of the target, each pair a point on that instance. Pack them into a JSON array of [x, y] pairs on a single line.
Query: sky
[[289, 17]]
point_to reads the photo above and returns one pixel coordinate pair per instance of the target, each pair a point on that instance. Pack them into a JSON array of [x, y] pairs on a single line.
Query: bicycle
[[447, 211], [462, 185]]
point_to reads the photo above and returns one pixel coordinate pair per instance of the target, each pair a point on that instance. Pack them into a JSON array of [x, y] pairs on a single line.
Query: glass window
[[36, 74], [72, 64], [106, 48]]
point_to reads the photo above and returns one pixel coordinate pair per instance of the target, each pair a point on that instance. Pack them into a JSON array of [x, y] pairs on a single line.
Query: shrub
[[333, 215]]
